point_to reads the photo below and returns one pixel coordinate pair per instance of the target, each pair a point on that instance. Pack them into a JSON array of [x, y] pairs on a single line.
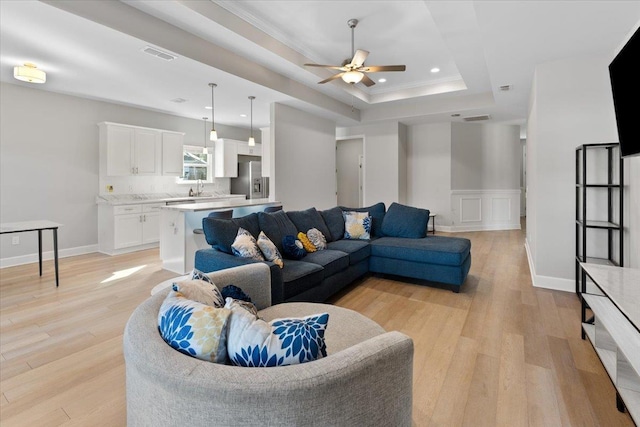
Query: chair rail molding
[[477, 210]]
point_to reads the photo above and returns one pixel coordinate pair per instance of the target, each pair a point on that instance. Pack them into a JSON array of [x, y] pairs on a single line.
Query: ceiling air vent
[[477, 118], [158, 53], [178, 100], [505, 88]]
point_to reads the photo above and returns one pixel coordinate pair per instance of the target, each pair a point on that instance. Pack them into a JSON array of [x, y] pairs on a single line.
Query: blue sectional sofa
[[399, 245]]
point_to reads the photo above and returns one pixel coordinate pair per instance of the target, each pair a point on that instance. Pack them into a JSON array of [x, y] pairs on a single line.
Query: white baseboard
[[47, 255], [547, 282], [477, 227]]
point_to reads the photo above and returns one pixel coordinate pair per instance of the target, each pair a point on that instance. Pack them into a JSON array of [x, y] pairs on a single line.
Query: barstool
[[273, 208], [225, 214]]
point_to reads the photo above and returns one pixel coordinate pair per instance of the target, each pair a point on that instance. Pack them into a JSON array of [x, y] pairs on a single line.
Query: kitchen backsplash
[[157, 184]]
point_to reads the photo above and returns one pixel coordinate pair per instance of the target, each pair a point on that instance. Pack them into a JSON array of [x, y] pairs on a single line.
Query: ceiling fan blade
[[335, 76], [359, 58], [367, 81], [379, 68], [333, 67]]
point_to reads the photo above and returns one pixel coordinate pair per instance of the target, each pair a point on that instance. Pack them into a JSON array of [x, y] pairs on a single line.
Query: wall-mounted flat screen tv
[[624, 72]]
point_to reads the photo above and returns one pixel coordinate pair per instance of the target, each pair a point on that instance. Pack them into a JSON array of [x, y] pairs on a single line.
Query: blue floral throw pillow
[[193, 328], [357, 225], [254, 342], [292, 248]]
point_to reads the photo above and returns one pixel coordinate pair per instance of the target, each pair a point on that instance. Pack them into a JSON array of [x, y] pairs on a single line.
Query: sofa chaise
[[398, 245]]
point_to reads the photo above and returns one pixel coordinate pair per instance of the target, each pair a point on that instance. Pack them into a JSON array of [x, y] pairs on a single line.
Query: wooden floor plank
[[498, 353]]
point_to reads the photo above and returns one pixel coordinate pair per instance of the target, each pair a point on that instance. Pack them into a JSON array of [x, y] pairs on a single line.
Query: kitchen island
[[179, 243]]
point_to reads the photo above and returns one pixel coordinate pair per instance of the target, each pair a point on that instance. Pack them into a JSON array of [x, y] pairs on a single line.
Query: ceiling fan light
[[353, 77], [213, 135], [29, 73]]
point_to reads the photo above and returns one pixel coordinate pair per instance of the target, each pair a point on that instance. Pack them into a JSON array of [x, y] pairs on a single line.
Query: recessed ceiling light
[[435, 70], [207, 107], [243, 115], [382, 80]]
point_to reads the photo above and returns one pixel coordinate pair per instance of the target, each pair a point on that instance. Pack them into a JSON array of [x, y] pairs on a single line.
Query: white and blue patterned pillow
[[256, 343], [316, 237], [269, 250], [193, 328], [202, 291], [245, 246], [357, 225]]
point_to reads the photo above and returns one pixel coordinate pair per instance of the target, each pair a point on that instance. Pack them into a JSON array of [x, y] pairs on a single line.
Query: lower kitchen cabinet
[[128, 228]]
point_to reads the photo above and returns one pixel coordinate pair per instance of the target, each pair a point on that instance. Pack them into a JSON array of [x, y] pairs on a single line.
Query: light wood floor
[[500, 353]]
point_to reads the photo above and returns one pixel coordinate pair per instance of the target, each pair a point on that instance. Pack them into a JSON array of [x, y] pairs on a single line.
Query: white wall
[[572, 105], [429, 169], [304, 159], [381, 163], [485, 156], [49, 163]]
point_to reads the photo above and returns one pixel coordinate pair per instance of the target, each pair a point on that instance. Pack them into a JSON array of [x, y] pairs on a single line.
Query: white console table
[[615, 331]]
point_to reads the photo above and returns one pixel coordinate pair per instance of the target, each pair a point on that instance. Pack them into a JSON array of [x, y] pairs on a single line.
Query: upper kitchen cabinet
[[127, 150], [172, 156], [226, 158], [245, 150]]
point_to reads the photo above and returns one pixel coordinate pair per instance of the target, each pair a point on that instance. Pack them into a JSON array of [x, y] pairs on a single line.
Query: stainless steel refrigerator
[[250, 181]]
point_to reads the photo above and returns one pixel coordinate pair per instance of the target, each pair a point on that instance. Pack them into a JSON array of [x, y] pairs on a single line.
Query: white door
[[150, 227], [146, 150], [127, 230], [172, 153], [349, 156], [119, 150]]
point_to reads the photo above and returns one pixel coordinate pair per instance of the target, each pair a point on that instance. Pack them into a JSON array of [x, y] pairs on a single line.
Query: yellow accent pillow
[[306, 243]]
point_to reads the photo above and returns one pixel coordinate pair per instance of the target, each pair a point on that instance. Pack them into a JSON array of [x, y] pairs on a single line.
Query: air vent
[[505, 88], [477, 118], [179, 100], [158, 53]]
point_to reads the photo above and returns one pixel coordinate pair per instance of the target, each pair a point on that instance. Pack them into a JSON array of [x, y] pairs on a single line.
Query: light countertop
[[222, 204], [135, 199]]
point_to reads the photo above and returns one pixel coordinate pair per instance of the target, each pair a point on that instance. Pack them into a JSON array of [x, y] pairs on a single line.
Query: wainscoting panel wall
[[474, 210]]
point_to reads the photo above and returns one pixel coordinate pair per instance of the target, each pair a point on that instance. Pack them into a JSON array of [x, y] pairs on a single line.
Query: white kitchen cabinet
[[245, 150], [128, 227], [146, 151], [172, 156], [151, 223], [226, 158], [130, 150], [127, 230]]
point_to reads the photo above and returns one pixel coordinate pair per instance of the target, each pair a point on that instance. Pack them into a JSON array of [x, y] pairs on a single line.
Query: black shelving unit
[[592, 188], [599, 212]]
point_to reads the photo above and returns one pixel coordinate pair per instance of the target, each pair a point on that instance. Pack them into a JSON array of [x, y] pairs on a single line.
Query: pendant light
[[252, 142], [213, 136], [204, 148]]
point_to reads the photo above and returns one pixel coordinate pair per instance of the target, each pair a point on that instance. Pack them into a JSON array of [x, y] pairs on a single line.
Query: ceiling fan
[[354, 71]]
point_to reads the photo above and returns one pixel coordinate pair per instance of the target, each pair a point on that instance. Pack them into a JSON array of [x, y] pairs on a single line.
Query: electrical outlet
[[130, 188], [110, 188], [15, 240]]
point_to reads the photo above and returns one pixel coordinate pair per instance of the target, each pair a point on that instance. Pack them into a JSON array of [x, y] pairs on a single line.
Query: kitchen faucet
[[199, 188]]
